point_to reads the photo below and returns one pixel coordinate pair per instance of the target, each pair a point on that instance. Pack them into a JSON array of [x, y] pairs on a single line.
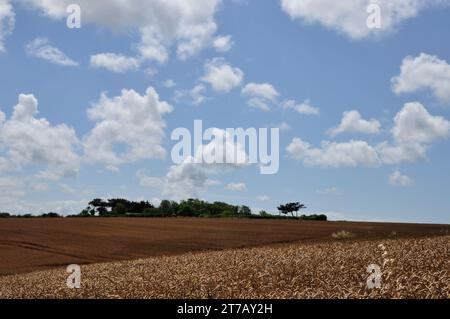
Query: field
[[221, 258]]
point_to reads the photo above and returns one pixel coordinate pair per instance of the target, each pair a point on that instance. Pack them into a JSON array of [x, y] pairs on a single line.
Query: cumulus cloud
[[186, 24], [195, 96], [114, 62], [31, 140], [236, 187], [130, 121], [414, 124], [425, 72], [415, 129], [350, 17], [221, 76], [7, 21], [193, 175], [305, 108], [352, 122], [182, 181], [260, 95], [41, 48], [349, 154], [223, 43], [397, 179], [395, 153]]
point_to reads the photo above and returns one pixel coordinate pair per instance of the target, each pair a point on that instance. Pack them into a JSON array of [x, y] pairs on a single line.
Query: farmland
[[35, 244], [220, 258], [410, 268]]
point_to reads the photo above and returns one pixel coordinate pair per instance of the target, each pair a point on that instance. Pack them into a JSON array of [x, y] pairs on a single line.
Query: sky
[[363, 109]]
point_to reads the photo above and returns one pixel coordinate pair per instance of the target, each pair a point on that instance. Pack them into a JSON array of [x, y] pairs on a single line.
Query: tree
[[102, 211], [120, 209], [168, 208], [291, 208], [263, 213], [283, 209], [244, 211], [50, 215]]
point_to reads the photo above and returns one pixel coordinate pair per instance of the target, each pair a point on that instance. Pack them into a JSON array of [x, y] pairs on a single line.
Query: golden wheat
[[411, 268]]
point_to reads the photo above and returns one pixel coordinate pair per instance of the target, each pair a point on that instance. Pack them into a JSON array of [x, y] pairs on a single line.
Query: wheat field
[[410, 268]]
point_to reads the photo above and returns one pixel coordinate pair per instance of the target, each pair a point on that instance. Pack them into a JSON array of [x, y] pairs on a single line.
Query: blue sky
[[289, 64]]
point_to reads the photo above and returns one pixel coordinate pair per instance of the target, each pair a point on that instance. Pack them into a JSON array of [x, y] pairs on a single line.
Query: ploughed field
[[28, 245]]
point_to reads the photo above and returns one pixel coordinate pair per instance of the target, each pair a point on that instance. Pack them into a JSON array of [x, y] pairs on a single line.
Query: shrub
[[343, 235]]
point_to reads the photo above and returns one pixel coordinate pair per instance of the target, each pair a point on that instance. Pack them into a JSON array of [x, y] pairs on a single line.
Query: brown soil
[[35, 244]]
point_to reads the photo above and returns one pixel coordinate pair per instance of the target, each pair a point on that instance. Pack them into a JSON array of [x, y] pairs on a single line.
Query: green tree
[[245, 211], [120, 209]]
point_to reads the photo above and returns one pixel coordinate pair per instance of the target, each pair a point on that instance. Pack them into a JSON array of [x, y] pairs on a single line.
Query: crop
[[411, 268]]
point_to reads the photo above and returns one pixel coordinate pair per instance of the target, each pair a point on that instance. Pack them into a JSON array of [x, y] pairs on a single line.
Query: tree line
[[119, 207]]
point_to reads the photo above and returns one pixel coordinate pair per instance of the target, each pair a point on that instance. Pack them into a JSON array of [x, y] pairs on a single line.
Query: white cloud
[[182, 181], [304, 108], [39, 187], [260, 95], [187, 24], [352, 122], [414, 131], [221, 76], [350, 17], [195, 96], [41, 48], [348, 154], [223, 43], [7, 21], [264, 91], [192, 177], [236, 187], [169, 83], [401, 152], [413, 124], [283, 126], [131, 121], [11, 190], [114, 62], [397, 179], [263, 198], [150, 72], [67, 189], [30, 140], [424, 72]]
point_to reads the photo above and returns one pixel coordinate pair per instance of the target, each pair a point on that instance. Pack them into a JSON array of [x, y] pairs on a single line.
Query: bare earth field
[[35, 244], [410, 268]]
